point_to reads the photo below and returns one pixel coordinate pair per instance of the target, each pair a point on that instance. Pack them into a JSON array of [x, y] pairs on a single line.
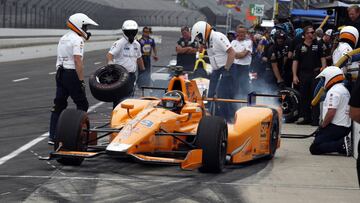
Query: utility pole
[[228, 20]]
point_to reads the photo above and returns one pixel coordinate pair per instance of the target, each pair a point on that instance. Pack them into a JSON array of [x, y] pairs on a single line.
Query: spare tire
[[110, 83], [290, 104]]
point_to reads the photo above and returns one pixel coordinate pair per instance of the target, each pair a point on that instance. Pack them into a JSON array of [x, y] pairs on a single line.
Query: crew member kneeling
[[332, 134]]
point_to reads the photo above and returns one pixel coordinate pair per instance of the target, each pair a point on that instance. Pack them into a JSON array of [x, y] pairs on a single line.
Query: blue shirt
[[146, 45]]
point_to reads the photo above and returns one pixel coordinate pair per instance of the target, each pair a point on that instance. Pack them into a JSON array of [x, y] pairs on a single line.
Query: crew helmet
[[332, 75], [279, 34], [130, 30], [350, 35], [78, 23], [201, 30]]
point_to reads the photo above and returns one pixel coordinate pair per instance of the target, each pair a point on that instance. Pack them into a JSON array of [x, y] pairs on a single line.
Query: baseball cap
[[329, 32]]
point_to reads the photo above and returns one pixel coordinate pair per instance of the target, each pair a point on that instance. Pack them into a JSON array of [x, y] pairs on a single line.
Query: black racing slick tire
[[71, 134], [274, 135], [110, 83], [212, 136], [290, 104]]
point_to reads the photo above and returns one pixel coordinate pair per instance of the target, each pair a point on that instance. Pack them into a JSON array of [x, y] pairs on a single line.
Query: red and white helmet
[[332, 75], [201, 30], [78, 23]]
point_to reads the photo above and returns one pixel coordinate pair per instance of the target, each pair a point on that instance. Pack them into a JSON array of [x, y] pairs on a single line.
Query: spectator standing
[[326, 44], [70, 69], [186, 50], [148, 49], [231, 35], [240, 69], [127, 53], [354, 15], [307, 61]]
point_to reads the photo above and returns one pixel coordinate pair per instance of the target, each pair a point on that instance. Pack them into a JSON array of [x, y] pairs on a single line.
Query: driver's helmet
[[173, 100]]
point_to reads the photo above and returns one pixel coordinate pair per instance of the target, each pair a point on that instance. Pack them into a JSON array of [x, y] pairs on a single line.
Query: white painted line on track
[[21, 79], [35, 141], [97, 63], [92, 108], [52, 73]]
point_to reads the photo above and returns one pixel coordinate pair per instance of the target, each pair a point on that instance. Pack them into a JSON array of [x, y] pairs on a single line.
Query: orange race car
[[174, 129]]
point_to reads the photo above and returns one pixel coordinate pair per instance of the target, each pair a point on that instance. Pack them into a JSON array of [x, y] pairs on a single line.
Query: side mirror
[[127, 106]]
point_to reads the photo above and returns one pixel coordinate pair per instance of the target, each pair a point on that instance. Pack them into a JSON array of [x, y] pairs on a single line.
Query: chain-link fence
[[54, 13]]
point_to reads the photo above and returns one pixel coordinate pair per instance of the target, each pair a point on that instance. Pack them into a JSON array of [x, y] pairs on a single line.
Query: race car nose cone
[[117, 147]]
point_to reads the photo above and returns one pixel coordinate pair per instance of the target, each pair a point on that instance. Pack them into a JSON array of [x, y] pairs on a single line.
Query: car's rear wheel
[[212, 138], [290, 104], [110, 83], [72, 134], [274, 135]]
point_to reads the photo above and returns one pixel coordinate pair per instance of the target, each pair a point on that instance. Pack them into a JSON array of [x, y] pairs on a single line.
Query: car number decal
[[147, 123]]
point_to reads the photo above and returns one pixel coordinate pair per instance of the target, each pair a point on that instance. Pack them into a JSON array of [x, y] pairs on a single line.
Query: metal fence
[[54, 13]]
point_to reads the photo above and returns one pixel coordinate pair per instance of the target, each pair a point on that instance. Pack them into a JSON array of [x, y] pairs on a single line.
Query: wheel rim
[[84, 135], [288, 105], [108, 77]]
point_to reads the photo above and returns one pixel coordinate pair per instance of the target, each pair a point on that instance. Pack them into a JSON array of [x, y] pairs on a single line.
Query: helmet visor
[[130, 33]]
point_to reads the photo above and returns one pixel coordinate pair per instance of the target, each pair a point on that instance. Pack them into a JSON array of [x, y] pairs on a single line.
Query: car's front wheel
[[72, 134], [212, 136]]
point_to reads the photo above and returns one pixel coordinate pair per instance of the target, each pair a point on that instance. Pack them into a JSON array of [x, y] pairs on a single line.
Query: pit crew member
[[70, 69], [127, 53], [332, 135]]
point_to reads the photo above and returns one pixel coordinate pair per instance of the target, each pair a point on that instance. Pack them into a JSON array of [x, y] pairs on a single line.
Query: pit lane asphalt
[[292, 176]]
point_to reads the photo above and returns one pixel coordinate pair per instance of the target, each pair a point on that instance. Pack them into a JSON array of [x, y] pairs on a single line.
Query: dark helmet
[[173, 100], [280, 34]]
